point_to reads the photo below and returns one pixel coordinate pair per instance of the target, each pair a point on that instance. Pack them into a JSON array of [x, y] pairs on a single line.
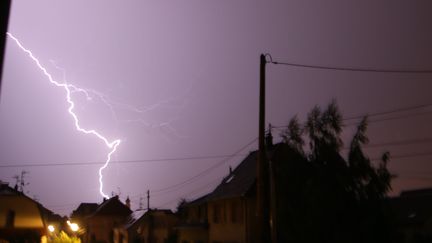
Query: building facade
[[227, 214], [22, 219], [99, 221]]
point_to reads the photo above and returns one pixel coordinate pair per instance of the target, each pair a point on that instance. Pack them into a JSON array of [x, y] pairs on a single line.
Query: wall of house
[[101, 228], [192, 235], [20, 219], [226, 220], [250, 219], [160, 235], [133, 234], [193, 227], [155, 227], [196, 214], [120, 235], [26, 212], [164, 226]]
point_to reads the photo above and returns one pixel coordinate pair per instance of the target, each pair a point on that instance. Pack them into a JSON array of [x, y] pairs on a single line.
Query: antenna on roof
[[269, 137], [141, 203], [148, 200], [128, 202], [20, 181]]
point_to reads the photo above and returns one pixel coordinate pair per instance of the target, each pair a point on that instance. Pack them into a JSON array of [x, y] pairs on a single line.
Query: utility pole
[[272, 180], [263, 205]]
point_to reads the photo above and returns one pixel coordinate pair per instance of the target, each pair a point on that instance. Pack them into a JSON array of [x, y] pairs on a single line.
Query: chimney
[[230, 170], [4, 184], [128, 202]]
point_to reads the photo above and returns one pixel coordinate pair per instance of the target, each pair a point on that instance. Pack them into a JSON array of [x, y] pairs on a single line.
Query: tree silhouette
[[323, 197]]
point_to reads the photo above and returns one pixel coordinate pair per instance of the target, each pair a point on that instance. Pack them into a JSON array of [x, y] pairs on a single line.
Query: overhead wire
[[412, 155], [192, 179], [191, 192], [404, 109], [118, 161], [181, 184], [400, 143], [350, 69], [90, 163], [371, 121], [335, 68], [206, 171], [397, 110]]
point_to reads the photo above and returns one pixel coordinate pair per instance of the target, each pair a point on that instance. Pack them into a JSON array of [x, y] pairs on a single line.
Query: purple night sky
[[180, 80]]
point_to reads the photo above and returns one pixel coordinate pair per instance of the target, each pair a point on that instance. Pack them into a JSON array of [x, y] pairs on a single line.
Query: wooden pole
[[263, 205]]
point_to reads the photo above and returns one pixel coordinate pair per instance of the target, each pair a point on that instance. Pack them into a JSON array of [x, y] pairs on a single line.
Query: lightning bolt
[[69, 88]]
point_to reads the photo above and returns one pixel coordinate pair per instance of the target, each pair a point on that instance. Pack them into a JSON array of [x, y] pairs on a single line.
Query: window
[[234, 209], [10, 218], [216, 213], [236, 212], [224, 212]]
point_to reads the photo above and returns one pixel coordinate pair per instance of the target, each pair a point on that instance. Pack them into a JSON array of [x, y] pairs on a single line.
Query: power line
[[190, 180], [118, 161], [192, 192], [395, 143], [413, 155], [400, 142], [392, 118], [398, 110], [202, 173], [406, 156], [351, 69], [411, 177], [403, 109]]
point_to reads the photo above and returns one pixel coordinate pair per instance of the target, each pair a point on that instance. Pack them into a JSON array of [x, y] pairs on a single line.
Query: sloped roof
[[112, 206], [84, 209], [239, 182], [197, 201], [133, 218], [141, 215], [46, 214]]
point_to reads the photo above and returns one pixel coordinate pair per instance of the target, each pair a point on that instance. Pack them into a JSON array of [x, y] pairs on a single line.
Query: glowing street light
[[51, 228], [74, 227]]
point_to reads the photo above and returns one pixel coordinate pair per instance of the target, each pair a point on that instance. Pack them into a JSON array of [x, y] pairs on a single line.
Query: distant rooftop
[[413, 207], [417, 192], [112, 206], [84, 209], [239, 181]]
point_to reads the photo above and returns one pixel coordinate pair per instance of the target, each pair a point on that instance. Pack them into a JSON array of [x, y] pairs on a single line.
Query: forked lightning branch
[[69, 88]]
